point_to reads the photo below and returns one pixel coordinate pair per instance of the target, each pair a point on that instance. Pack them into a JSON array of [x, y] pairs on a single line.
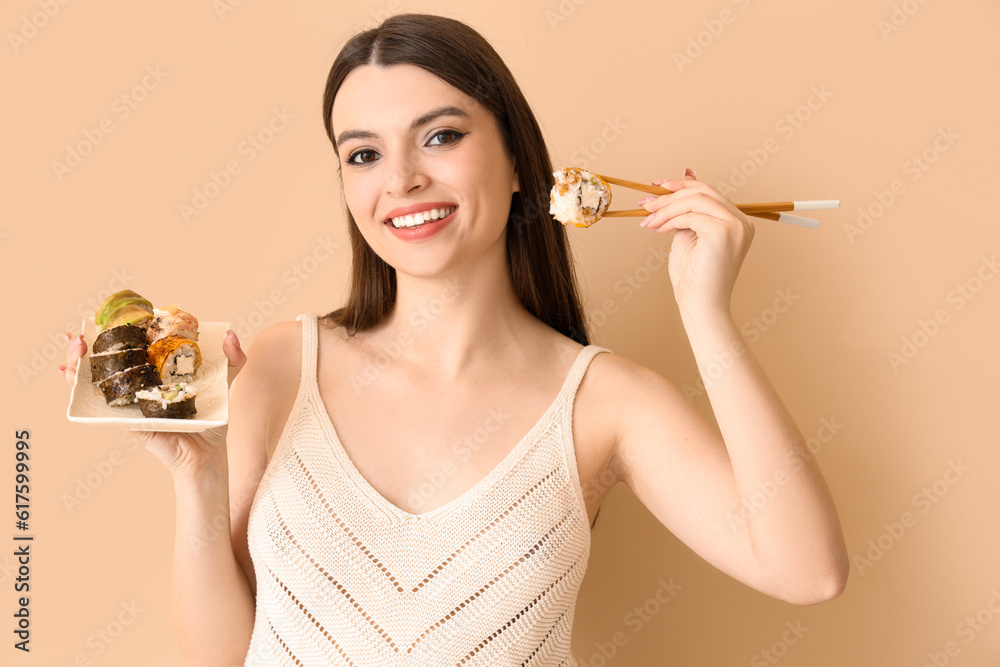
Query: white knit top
[[344, 577]]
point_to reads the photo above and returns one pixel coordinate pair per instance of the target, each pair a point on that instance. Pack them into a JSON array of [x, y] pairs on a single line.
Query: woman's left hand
[[712, 239]]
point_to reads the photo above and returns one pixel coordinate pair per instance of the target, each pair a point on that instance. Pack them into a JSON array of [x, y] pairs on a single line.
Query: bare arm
[[753, 502], [697, 483], [212, 604], [213, 592]]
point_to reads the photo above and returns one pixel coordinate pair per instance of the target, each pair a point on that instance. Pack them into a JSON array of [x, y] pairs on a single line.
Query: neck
[[450, 322]]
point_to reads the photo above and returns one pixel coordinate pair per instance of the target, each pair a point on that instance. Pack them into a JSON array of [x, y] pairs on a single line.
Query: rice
[[578, 197]]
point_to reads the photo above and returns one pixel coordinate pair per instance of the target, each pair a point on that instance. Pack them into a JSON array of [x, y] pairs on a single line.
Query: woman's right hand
[[184, 454]]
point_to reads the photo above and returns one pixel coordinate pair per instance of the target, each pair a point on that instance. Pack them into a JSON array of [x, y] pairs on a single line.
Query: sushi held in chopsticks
[[139, 348], [578, 197]]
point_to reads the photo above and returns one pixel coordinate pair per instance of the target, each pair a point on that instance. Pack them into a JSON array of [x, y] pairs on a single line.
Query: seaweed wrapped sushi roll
[[120, 388], [172, 401], [124, 337], [106, 364]]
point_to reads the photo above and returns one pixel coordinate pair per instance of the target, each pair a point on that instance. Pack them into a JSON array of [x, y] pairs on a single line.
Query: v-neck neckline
[[512, 457]]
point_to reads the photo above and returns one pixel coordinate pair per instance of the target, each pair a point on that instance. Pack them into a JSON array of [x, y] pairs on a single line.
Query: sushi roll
[[172, 401], [108, 363], [176, 358], [172, 322], [578, 197], [120, 388], [132, 306], [121, 337]]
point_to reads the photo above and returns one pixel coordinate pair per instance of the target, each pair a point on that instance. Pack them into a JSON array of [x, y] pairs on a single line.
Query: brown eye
[[367, 156], [451, 137]]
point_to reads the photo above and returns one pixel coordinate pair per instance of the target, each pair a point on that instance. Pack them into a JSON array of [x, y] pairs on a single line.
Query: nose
[[404, 174]]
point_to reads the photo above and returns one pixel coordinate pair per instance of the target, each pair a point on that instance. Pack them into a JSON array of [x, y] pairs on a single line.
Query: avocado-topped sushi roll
[[176, 358], [108, 363], [173, 401], [131, 305], [120, 388], [578, 197], [123, 337]]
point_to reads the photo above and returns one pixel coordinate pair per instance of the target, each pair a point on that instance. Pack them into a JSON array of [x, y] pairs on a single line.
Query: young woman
[[412, 478]]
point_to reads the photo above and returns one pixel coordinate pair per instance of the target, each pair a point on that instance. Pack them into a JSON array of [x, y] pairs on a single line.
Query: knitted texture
[[344, 577]]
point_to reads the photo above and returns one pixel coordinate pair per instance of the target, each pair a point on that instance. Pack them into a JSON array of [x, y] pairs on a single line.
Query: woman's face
[[408, 142]]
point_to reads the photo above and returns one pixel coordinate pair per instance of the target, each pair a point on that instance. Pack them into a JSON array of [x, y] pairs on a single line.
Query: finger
[[76, 348], [688, 188], [234, 353], [699, 203]]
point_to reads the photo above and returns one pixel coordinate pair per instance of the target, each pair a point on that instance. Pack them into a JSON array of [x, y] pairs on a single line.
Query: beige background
[[886, 81]]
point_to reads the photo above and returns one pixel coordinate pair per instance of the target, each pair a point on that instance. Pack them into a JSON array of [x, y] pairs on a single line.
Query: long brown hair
[[537, 246]]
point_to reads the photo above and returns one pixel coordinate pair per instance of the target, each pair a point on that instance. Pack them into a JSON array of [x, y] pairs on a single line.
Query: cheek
[[361, 194]]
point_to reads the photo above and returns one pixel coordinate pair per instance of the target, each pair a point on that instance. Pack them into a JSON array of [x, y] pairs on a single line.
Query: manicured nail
[[659, 181], [688, 171], [645, 220], [644, 200]]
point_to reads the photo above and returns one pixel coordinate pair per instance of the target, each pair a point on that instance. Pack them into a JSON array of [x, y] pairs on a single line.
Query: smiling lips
[[418, 214]]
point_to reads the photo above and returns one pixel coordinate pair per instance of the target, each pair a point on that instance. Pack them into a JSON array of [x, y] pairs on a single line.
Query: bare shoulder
[[613, 392], [268, 383]]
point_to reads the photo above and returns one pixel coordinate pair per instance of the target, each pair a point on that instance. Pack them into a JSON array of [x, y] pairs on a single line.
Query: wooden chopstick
[[769, 215], [641, 187], [749, 209]]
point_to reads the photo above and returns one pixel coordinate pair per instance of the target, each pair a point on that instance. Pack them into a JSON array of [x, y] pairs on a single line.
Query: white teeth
[[416, 219]]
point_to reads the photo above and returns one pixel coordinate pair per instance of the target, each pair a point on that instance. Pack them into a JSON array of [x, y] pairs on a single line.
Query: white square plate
[[87, 404]]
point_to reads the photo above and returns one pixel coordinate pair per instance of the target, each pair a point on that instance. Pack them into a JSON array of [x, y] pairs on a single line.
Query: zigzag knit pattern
[[344, 577]]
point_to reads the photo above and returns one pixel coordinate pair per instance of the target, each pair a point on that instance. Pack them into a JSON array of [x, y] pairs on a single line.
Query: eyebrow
[[416, 124]]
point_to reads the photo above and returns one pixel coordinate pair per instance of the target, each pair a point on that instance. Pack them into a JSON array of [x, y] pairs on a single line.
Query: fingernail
[[645, 220], [644, 200], [688, 171], [659, 181], [62, 368]]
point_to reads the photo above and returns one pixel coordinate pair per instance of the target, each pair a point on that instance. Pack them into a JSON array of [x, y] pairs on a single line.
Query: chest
[[423, 446]]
